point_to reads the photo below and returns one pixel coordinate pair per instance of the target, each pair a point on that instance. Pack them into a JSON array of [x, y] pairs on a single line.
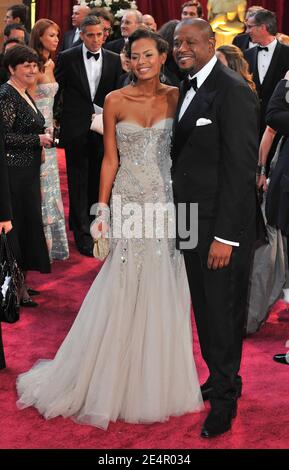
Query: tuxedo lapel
[[70, 38], [104, 75], [82, 72], [255, 71], [272, 68], [198, 107]]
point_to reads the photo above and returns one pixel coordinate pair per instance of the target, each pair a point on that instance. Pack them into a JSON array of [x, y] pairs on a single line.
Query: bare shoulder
[[172, 94], [113, 97]]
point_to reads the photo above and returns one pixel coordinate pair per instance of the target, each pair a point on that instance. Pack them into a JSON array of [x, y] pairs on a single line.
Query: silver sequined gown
[[52, 206], [129, 353]]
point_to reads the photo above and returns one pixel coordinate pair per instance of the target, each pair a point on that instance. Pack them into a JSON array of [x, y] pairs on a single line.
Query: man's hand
[[6, 225], [219, 255]]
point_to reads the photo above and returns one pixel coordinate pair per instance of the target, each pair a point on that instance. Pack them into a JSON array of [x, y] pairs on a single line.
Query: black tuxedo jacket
[[214, 165], [115, 46], [242, 41], [277, 201], [77, 105], [5, 206], [276, 71], [68, 40]]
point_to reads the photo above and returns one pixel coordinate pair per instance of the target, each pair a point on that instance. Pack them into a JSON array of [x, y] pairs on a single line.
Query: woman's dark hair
[[167, 33], [15, 41], [19, 55], [161, 44], [19, 11]]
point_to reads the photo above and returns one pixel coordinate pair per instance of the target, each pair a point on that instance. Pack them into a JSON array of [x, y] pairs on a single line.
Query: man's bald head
[[202, 25], [194, 44]]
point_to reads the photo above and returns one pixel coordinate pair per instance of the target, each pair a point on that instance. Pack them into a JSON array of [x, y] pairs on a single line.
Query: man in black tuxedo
[[72, 38], [268, 61], [243, 40], [131, 20], [215, 151], [86, 74]]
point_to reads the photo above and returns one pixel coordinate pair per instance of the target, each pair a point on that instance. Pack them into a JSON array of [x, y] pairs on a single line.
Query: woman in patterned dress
[[44, 39]]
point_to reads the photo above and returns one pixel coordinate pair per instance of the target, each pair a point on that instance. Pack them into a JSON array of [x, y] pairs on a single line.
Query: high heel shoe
[[282, 358], [32, 291], [28, 303]]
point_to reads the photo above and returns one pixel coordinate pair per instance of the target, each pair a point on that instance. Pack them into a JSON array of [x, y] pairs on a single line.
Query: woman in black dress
[[24, 137]]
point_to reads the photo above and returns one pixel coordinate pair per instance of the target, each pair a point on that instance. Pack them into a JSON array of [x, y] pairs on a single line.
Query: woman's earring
[[133, 79], [163, 77]]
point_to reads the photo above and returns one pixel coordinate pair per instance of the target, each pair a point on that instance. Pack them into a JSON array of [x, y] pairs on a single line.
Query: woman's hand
[[100, 227], [45, 140], [262, 183], [6, 225]]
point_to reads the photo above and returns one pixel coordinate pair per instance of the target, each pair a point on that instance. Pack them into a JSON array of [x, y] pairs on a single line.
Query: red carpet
[[262, 421]]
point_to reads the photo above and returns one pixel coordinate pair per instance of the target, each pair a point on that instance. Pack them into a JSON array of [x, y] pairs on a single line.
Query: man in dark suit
[[5, 214], [243, 40], [215, 151], [130, 21], [86, 74], [72, 38], [268, 61]]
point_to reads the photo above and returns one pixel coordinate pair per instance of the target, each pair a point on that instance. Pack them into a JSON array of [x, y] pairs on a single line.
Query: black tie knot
[[191, 83], [260, 48], [90, 54]]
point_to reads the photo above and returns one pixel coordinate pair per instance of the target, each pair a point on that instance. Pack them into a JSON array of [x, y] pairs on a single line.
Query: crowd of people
[[183, 124]]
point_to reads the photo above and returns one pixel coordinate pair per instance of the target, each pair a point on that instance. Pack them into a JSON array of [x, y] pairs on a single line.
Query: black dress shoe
[[28, 303], [86, 250], [206, 389], [219, 421], [32, 291], [282, 358]]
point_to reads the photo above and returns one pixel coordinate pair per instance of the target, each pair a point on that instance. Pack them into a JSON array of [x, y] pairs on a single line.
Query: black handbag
[[11, 281]]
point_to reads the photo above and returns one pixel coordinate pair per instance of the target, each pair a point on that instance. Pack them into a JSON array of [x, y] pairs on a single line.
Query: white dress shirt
[[264, 59], [201, 76], [93, 70]]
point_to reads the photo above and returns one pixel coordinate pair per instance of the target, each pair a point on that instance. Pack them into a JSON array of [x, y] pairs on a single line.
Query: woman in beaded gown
[[44, 39], [128, 355]]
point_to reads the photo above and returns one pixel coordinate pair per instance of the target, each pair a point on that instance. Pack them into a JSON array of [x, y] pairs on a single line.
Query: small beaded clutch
[[101, 248]]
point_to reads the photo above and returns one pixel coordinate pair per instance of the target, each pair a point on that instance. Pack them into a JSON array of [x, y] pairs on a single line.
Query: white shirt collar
[[271, 46], [85, 50], [203, 74]]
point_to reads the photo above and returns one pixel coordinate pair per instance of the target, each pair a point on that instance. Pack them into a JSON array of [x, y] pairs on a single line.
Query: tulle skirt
[[128, 355]]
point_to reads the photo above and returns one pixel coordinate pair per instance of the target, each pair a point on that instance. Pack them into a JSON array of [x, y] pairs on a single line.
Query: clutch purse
[[101, 248], [97, 124], [11, 281]]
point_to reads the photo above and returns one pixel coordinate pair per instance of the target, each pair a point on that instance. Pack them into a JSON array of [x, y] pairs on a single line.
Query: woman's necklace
[[22, 92]]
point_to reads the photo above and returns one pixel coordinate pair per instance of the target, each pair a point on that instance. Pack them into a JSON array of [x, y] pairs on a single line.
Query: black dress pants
[[83, 161], [219, 303]]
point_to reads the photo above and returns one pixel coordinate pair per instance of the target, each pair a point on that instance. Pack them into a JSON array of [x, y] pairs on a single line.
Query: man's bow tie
[[89, 55], [260, 48], [191, 83]]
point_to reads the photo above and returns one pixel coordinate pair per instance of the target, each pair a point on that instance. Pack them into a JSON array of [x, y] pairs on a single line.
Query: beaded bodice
[[143, 181], [145, 163], [22, 126]]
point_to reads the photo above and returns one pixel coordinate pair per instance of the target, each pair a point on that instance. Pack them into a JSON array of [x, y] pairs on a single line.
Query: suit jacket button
[[185, 174]]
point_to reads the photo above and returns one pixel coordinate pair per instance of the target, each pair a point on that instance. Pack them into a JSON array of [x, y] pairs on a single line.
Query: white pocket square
[[203, 122]]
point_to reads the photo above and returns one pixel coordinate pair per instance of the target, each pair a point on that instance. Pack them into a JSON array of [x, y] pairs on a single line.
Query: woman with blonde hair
[[233, 57], [44, 40]]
